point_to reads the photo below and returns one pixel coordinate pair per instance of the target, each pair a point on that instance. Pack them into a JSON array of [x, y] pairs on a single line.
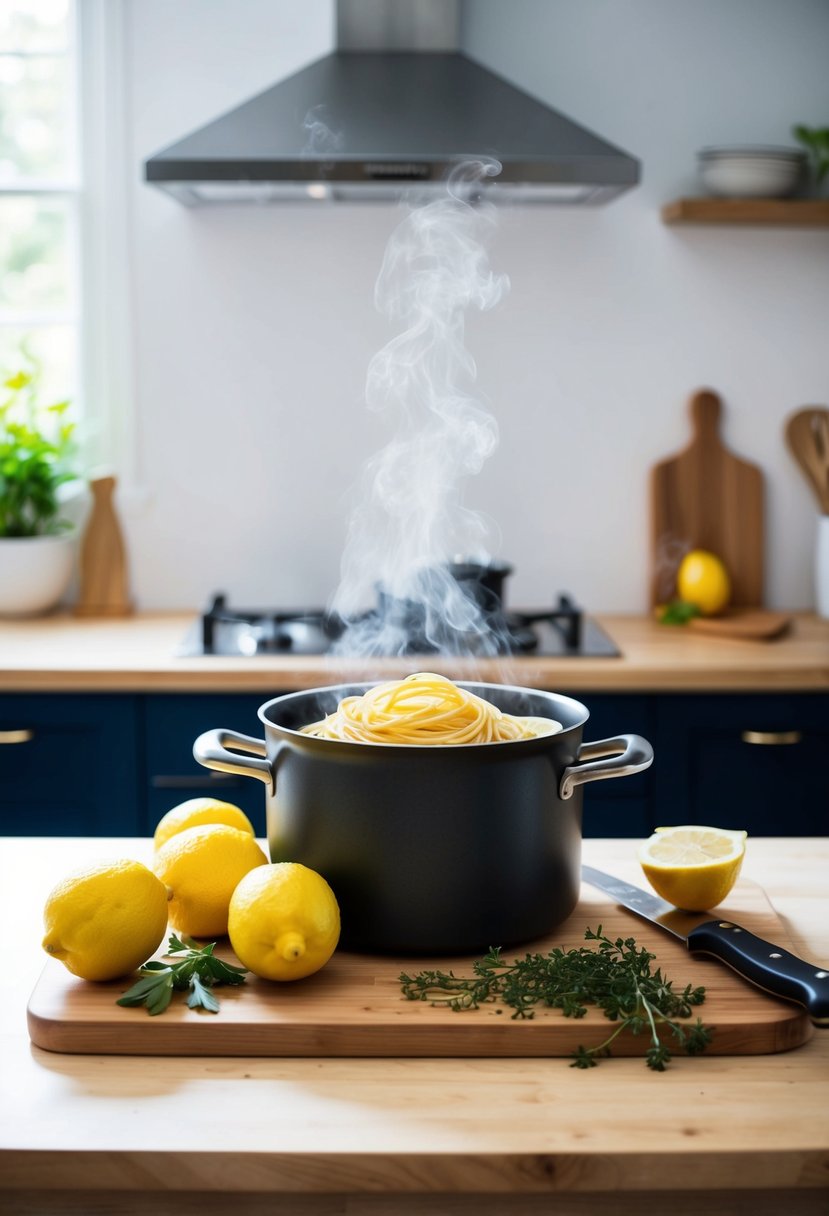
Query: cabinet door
[[758, 762], [620, 806], [173, 723], [68, 765]]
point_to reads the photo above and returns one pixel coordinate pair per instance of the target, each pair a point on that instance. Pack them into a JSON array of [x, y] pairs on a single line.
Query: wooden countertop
[[94, 1134], [138, 654]]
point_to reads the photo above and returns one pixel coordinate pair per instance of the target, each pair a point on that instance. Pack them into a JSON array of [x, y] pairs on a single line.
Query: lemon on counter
[[200, 810], [693, 867], [284, 921], [202, 866], [105, 920], [702, 580]]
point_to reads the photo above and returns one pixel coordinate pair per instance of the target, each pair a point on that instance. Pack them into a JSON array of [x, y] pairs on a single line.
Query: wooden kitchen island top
[[138, 654], [371, 1137]]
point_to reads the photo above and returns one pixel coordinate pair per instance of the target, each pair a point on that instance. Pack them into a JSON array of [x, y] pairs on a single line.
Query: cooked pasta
[[425, 709]]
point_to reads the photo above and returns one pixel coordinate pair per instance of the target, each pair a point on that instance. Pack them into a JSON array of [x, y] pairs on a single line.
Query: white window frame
[[105, 355], [98, 210], [68, 189]]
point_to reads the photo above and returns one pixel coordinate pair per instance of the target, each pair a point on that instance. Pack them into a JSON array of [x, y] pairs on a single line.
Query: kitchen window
[[62, 284]]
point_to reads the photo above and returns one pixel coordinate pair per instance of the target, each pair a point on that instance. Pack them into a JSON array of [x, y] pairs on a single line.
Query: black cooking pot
[[430, 850]]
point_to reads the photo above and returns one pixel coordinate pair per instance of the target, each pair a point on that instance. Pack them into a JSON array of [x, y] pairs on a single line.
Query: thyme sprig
[[616, 977], [197, 972]]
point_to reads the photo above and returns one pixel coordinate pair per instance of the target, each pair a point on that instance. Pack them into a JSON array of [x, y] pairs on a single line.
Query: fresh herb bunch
[[199, 971], [36, 446], [678, 612], [616, 977]]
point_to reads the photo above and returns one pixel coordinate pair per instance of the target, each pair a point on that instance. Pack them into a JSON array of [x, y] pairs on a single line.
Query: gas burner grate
[[227, 630], [563, 630]]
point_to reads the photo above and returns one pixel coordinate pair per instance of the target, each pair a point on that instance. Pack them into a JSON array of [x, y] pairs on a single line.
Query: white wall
[[254, 327]]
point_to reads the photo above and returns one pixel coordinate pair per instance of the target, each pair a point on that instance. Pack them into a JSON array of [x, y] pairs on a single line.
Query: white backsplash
[[254, 326]]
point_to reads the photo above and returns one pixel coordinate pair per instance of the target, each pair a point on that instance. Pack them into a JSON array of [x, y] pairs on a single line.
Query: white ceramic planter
[[34, 573], [822, 566]]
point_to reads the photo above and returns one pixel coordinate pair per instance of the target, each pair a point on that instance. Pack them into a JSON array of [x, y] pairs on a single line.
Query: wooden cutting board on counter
[[746, 624], [705, 497], [354, 1006]]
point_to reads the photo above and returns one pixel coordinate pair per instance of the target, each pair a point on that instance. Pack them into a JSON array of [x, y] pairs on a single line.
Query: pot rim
[[475, 686]]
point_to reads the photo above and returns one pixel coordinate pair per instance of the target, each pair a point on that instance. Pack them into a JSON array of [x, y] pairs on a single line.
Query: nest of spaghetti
[[425, 709]]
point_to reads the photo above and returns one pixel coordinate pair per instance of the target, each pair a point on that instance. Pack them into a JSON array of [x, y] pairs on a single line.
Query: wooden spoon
[[807, 434]]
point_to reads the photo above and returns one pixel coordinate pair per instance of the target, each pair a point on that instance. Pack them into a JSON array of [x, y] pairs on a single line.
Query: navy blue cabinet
[[759, 762], [107, 764], [70, 765], [173, 722]]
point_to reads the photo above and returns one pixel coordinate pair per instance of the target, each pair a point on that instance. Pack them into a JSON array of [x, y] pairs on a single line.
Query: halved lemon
[[693, 867]]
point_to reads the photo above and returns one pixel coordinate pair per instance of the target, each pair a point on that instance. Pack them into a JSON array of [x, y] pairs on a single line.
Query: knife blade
[[760, 962]]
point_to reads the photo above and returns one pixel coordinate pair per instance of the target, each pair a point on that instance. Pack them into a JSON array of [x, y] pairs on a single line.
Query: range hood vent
[[376, 118]]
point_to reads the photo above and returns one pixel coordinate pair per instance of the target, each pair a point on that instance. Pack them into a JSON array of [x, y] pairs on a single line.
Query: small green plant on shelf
[[37, 451], [816, 142]]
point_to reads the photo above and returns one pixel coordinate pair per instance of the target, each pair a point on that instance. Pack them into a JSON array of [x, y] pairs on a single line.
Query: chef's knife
[[768, 966]]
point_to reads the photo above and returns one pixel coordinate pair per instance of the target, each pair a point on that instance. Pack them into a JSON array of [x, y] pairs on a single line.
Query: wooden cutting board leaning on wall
[[706, 497]]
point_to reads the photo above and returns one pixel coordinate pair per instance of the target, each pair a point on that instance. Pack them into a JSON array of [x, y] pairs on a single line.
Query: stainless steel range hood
[[394, 107]]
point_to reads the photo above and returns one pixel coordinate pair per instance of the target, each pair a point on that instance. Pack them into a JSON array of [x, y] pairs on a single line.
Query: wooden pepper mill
[[103, 563]]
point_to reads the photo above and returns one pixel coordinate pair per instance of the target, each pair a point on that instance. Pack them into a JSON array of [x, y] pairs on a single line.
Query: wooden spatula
[[807, 435]]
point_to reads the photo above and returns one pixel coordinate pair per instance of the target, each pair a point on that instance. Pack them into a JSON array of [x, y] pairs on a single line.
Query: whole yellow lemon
[[105, 920], [702, 580], [284, 921], [202, 866], [200, 810]]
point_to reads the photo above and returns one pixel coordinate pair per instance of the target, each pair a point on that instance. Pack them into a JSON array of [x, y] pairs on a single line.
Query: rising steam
[[411, 521], [320, 137]]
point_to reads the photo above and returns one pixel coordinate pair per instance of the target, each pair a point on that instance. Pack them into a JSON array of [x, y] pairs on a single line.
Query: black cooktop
[[563, 629]]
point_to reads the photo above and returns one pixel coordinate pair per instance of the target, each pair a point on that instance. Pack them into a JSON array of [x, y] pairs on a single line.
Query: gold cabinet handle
[[16, 736], [772, 738]]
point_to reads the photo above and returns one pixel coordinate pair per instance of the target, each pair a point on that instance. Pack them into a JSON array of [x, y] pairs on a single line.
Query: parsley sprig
[[617, 977], [678, 612], [197, 972]]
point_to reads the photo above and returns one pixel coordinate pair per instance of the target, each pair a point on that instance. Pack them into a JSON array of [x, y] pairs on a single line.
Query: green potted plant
[[816, 142], [37, 546]]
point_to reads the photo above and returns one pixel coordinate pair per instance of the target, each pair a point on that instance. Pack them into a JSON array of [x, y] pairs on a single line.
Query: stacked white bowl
[[751, 171]]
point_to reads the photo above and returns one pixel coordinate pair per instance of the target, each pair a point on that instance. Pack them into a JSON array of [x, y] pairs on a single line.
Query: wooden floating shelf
[[782, 212]]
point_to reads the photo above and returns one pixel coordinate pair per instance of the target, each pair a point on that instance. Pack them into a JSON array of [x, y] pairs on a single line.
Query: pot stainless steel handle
[[619, 757], [211, 750]]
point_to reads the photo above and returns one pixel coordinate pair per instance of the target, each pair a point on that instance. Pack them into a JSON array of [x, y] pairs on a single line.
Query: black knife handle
[[766, 965]]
